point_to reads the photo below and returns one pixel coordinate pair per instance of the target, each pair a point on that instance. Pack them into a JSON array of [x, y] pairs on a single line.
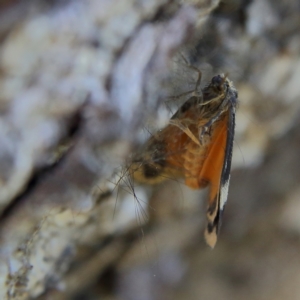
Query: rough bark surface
[[78, 82]]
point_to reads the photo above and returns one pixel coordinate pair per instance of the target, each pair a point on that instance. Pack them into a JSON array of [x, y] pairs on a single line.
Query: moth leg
[[181, 95], [197, 91], [206, 128], [205, 131], [185, 129]]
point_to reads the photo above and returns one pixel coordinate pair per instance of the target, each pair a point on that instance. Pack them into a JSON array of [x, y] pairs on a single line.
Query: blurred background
[[81, 86]]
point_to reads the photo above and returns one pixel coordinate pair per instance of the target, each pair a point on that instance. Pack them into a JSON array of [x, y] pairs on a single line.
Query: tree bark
[[78, 82]]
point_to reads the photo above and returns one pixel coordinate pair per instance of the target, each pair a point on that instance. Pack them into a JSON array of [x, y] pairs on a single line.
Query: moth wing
[[216, 171]]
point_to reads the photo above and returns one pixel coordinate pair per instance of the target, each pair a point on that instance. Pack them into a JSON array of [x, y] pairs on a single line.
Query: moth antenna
[[198, 82]]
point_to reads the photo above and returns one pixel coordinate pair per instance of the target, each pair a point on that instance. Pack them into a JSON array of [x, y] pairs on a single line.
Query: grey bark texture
[[79, 82]]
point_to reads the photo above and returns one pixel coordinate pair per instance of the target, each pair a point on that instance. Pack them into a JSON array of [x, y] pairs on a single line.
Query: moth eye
[[218, 83], [217, 80]]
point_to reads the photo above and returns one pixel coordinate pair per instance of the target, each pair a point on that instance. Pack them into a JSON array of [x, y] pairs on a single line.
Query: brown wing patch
[[180, 153]]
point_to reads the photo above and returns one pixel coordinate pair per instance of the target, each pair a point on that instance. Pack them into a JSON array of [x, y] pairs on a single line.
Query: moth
[[196, 145]]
